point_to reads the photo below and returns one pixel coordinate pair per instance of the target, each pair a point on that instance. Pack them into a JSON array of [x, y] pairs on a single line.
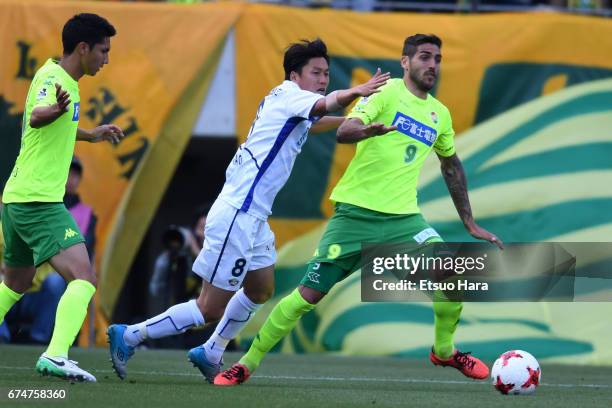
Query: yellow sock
[[8, 298], [71, 312], [280, 322], [446, 318]]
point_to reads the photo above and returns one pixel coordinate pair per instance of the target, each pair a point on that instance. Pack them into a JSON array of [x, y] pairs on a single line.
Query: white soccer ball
[[516, 372]]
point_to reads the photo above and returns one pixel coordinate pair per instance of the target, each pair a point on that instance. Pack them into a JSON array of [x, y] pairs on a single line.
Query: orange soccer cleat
[[235, 375], [469, 365]]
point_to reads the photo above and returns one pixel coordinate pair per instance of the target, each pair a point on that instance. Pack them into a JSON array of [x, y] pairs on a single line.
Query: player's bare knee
[[210, 313], [24, 287], [311, 295], [18, 285], [84, 272], [260, 295], [88, 275], [19, 279], [213, 314], [200, 304], [93, 280]]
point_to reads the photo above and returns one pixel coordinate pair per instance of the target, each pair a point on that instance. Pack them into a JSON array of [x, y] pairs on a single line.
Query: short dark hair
[[412, 43], [85, 27], [298, 54]]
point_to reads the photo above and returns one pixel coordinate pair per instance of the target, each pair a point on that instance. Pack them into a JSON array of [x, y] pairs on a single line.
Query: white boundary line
[[339, 379]]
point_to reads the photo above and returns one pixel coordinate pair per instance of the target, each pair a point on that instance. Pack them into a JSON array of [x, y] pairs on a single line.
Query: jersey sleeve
[[43, 91], [445, 143], [370, 107], [300, 103]]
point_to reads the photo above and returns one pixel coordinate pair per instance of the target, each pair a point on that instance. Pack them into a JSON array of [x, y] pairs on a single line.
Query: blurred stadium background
[[529, 85]]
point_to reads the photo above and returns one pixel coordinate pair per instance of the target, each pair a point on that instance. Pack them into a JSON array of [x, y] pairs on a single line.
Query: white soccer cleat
[[63, 368]]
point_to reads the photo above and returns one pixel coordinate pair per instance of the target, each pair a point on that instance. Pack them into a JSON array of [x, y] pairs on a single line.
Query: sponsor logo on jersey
[[75, 116], [415, 129]]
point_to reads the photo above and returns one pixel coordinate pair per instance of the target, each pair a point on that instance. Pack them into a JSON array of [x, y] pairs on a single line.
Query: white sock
[[173, 321], [237, 314]]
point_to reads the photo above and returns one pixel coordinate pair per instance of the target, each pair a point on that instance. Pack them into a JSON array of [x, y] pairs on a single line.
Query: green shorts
[[35, 232], [339, 251]]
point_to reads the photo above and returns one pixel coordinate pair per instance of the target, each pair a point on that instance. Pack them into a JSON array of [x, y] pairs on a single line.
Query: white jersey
[[263, 163]]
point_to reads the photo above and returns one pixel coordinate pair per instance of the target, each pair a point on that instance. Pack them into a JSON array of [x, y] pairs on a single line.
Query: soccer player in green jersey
[[37, 226], [376, 201]]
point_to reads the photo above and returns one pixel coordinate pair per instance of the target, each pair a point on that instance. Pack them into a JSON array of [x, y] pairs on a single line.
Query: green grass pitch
[[165, 379]]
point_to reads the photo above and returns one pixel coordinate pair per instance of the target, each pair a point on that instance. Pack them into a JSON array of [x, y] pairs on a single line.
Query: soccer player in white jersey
[[237, 260]]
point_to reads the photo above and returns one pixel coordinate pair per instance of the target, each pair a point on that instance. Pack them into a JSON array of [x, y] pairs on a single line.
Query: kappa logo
[[314, 277], [70, 233]]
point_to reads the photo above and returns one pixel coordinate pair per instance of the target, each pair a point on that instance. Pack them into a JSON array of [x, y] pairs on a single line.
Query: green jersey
[[41, 169], [383, 174]]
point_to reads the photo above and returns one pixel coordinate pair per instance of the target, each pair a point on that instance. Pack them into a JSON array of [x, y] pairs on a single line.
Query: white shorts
[[235, 243]]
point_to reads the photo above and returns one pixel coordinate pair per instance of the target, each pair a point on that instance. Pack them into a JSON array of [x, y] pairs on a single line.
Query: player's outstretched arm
[[353, 130], [456, 182], [44, 115], [341, 99], [327, 123], [110, 133]]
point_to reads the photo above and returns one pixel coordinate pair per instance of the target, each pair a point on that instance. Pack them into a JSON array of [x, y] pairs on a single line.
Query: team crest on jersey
[[434, 117], [360, 105], [415, 129], [41, 94], [275, 92], [75, 116]]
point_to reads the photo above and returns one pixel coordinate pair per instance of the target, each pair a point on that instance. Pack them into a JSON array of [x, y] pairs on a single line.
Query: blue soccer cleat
[[198, 358], [120, 352]]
